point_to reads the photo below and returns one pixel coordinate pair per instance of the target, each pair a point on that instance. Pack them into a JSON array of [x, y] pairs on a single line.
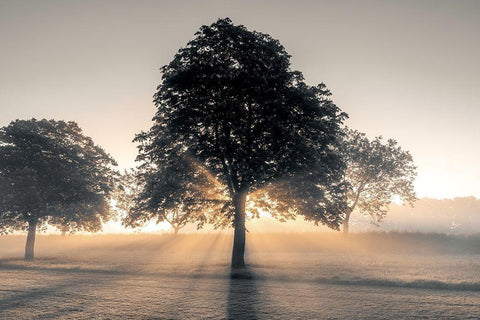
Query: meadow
[[290, 276]]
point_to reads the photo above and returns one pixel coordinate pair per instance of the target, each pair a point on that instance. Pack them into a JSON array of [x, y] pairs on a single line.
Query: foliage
[[179, 192], [124, 193], [376, 171], [50, 173], [230, 101]]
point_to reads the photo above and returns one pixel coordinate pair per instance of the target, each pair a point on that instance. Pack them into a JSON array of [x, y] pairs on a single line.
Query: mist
[[303, 275]]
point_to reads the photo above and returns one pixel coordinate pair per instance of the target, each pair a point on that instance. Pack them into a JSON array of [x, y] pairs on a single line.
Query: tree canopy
[[51, 174], [230, 101], [376, 171]]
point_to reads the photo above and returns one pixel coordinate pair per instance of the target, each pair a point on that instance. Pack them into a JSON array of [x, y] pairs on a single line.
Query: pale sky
[[407, 70]]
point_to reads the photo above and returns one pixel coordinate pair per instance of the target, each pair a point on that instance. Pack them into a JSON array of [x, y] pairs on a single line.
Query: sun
[[397, 200]]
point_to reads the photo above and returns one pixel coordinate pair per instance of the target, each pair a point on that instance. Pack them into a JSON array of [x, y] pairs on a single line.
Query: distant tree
[[124, 193], [376, 172], [178, 193], [230, 101], [51, 174]]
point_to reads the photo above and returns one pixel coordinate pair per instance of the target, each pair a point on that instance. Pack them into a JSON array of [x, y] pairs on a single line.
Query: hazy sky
[[407, 70]]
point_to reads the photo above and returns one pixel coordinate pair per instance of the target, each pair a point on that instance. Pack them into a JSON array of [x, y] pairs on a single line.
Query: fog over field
[[289, 276], [457, 216], [451, 216]]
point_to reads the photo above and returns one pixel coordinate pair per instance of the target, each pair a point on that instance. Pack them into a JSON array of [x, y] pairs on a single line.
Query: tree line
[[235, 130], [459, 215]]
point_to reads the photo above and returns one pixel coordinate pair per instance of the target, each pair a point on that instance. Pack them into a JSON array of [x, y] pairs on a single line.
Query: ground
[[290, 276]]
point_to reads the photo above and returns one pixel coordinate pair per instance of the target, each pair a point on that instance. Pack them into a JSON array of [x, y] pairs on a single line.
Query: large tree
[[230, 101], [52, 174], [377, 171]]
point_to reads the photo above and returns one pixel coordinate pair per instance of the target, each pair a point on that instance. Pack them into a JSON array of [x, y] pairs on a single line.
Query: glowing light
[[397, 200]]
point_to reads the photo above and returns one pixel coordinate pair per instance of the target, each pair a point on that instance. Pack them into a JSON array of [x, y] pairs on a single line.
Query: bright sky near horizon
[[407, 70]]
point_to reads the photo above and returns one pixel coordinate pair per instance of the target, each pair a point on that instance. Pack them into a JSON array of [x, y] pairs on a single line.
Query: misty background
[[458, 216]]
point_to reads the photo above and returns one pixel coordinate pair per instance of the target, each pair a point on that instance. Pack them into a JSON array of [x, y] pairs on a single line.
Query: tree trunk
[[175, 230], [29, 247], [239, 200], [346, 221]]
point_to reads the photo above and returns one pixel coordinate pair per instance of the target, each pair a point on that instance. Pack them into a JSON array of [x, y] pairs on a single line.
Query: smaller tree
[[124, 194], [51, 174], [179, 192], [376, 172]]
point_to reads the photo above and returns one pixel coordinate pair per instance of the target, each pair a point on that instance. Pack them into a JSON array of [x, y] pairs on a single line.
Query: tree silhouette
[[376, 171], [50, 173], [179, 192], [230, 101]]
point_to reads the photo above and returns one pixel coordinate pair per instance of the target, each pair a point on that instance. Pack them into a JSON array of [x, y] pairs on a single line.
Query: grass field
[[291, 276]]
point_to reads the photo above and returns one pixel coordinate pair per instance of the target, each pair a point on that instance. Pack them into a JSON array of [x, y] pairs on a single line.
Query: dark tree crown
[[230, 101], [51, 173]]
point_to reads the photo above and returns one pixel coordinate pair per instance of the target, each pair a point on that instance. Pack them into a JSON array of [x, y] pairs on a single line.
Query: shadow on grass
[[242, 301]]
